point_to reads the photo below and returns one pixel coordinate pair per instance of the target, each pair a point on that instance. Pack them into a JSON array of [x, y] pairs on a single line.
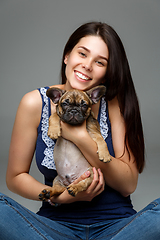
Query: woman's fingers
[[82, 177], [97, 185], [101, 182]]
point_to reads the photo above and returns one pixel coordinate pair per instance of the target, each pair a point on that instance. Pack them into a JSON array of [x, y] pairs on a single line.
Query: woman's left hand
[[95, 188]]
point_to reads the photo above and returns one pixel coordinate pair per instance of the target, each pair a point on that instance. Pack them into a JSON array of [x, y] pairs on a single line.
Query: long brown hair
[[118, 83]]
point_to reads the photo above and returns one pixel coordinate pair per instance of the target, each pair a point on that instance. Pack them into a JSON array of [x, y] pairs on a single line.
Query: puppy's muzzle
[[73, 117]]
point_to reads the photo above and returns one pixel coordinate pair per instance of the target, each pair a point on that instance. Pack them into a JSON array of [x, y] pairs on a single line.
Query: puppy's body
[[74, 163], [73, 107]]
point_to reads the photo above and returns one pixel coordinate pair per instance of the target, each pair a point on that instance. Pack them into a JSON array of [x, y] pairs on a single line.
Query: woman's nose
[[87, 64]]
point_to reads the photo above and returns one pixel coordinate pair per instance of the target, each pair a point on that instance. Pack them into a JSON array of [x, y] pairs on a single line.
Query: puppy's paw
[[54, 134], [45, 195], [72, 190], [105, 157]]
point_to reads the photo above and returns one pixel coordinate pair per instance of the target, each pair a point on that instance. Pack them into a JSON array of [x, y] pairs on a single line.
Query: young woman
[[93, 55]]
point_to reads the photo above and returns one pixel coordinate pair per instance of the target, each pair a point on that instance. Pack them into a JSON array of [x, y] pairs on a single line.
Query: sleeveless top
[[108, 205]]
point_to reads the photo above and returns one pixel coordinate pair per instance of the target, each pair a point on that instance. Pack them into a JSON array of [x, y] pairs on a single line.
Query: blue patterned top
[[110, 204]]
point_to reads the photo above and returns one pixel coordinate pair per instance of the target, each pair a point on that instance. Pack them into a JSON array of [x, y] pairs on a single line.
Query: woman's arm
[[121, 173], [22, 147]]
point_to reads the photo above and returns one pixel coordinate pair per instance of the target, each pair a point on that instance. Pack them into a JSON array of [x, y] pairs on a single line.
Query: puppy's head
[[74, 106]]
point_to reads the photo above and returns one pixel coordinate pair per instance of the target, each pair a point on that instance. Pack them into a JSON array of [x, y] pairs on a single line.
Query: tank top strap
[[48, 160]]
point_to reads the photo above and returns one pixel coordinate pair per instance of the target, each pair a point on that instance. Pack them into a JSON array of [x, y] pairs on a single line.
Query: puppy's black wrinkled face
[[74, 107]]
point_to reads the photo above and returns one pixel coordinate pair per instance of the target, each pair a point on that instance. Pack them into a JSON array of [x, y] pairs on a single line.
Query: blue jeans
[[17, 223]]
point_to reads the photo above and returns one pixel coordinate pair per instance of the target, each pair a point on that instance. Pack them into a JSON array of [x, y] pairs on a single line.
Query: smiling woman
[[94, 55]]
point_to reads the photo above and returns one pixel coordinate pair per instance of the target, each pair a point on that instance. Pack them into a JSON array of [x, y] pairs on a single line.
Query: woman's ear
[[66, 59]]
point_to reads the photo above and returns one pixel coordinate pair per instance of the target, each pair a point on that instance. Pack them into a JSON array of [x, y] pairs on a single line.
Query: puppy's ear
[[96, 93], [55, 94]]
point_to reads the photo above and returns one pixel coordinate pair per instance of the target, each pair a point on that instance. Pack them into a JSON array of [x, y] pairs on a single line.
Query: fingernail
[[87, 173]]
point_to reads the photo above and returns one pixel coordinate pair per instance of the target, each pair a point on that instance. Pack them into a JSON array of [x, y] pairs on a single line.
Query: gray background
[[32, 36]]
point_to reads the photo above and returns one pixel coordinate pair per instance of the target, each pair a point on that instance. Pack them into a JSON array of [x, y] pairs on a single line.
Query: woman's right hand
[[95, 188]]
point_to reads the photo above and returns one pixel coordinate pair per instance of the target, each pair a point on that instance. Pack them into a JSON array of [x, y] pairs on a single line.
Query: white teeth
[[81, 76]]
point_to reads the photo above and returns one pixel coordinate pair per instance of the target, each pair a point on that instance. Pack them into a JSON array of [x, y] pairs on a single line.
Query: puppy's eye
[[84, 105], [65, 103]]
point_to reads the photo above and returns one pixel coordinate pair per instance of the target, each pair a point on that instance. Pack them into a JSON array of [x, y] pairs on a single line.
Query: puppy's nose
[[73, 111]]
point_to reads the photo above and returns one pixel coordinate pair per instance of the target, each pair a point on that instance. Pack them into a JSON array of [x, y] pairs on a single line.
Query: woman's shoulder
[[29, 109], [31, 100]]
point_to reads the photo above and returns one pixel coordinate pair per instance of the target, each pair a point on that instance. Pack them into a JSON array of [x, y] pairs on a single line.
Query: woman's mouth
[[82, 76]]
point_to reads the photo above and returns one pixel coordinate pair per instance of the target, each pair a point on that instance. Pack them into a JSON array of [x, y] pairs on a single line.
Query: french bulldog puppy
[[73, 107]]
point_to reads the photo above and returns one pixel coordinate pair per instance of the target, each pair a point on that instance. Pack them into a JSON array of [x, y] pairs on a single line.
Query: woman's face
[[86, 64]]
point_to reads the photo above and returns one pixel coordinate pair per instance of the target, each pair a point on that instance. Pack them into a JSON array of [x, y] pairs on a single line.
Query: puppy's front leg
[[74, 189], [94, 131], [56, 189], [54, 130], [103, 152]]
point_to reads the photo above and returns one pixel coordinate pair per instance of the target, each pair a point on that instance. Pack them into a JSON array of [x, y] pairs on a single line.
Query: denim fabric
[[17, 223]]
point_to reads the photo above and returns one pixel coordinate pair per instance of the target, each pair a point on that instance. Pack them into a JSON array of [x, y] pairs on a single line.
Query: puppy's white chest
[[70, 162]]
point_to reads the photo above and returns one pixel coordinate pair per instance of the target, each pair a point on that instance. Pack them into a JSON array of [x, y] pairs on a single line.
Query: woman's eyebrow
[[90, 51]]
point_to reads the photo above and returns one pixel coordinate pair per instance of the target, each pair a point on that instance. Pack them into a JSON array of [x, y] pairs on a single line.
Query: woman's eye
[[82, 54], [100, 63]]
